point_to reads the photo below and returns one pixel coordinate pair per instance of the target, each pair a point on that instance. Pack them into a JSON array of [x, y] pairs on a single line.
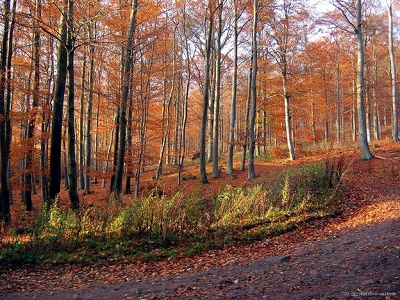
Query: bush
[[147, 227]]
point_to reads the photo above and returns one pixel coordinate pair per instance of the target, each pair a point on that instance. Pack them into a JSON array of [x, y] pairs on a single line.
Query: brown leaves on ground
[[335, 258]]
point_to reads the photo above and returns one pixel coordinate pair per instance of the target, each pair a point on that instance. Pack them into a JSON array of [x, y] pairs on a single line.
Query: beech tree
[[393, 72], [365, 151], [209, 21], [58, 106], [251, 168], [217, 102], [284, 37], [5, 105], [232, 124], [127, 69]]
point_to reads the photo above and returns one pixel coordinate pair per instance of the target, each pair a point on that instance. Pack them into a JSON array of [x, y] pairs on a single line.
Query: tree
[[284, 37], [393, 72], [232, 123], [89, 108], [251, 168], [215, 135], [365, 152], [58, 106], [5, 104], [28, 184], [349, 11], [72, 167], [127, 69], [203, 171]]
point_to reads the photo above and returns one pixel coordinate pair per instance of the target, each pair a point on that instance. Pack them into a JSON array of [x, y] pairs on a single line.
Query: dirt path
[[354, 256]]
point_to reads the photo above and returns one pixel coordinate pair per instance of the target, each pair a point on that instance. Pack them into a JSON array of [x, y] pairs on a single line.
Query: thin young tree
[[209, 22], [72, 166], [127, 73], [89, 109], [182, 146], [393, 72], [252, 134], [217, 102], [231, 136], [6, 52], [28, 180]]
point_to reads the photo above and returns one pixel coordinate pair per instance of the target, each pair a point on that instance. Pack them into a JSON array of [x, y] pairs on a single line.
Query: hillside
[[352, 256]]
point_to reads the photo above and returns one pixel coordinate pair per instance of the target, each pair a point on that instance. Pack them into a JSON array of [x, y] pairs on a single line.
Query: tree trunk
[[288, 117], [251, 169], [203, 171], [215, 140], [365, 151], [166, 108], [82, 170], [338, 106], [89, 109], [393, 74], [246, 122], [115, 154], [5, 214], [232, 124], [128, 64], [185, 99], [28, 177], [58, 105]]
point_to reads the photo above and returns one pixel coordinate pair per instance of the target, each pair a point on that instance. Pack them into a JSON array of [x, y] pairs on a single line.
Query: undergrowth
[[156, 227]]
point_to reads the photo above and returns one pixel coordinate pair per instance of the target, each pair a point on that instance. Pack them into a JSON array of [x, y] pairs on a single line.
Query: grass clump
[[155, 227]]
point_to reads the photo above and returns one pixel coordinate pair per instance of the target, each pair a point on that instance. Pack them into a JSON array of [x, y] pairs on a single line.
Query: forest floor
[[352, 256]]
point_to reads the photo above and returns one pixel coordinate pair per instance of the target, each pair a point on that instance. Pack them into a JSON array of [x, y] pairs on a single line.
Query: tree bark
[[362, 127], [232, 123], [89, 109], [215, 140], [127, 69], [28, 180], [58, 106], [5, 214], [393, 74], [203, 171], [251, 168]]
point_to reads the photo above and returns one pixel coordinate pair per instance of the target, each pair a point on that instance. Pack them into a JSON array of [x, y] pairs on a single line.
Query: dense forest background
[[99, 90]]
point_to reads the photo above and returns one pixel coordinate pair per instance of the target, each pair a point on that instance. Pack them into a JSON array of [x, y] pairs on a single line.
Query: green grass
[[153, 228]]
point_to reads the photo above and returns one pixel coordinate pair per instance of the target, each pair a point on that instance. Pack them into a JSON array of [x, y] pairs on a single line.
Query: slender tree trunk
[[365, 151], [128, 64], [72, 167], [251, 169], [129, 151], [28, 178], [288, 117], [82, 170], [45, 128], [215, 140], [338, 106], [5, 214], [376, 118], [393, 73], [246, 122], [57, 119], [116, 143], [182, 147], [203, 171], [232, 123], [165, 122], [211, 103], [89, 108]]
